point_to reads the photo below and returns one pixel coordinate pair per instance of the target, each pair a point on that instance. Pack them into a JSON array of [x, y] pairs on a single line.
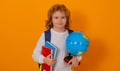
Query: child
[[58, 23]]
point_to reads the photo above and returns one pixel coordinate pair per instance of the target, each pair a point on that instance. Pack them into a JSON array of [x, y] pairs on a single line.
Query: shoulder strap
[[47, 35], [70, 31]]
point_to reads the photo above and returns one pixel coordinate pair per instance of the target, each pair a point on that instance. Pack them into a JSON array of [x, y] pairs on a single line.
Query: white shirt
[[58, 39]]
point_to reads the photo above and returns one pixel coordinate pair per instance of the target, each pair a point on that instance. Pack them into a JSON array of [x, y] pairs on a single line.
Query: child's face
[[59, 20]]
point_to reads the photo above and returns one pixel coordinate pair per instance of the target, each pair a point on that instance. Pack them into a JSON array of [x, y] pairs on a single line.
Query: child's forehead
[[59, 12]]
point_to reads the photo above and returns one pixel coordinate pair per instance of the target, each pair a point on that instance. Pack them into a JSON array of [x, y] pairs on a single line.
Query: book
[[45, 52], [53, 47]]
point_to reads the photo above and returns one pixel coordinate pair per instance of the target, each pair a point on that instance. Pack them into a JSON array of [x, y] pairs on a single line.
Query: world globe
[[77, 43]]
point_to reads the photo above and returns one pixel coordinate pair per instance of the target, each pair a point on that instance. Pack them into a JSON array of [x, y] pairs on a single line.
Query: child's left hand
[[75, 62]]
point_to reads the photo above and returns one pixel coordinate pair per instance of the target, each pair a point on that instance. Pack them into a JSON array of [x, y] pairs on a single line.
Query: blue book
[[53, 47]]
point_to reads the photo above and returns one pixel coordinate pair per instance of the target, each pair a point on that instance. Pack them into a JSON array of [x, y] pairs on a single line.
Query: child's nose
[[60, 19]]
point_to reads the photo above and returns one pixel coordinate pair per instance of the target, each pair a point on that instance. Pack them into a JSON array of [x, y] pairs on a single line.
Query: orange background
[[23, 21]]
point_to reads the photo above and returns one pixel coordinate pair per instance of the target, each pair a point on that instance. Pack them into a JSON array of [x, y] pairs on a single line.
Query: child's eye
[[63, 17], [56, 17]]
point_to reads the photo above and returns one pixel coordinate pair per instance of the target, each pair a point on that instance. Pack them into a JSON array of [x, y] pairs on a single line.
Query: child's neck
[[59, 29]]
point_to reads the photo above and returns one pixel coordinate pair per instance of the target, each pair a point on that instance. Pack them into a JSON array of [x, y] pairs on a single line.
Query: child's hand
[[74, 61], [49, 61]]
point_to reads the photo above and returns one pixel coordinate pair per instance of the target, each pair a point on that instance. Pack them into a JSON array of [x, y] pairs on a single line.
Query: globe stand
[[68, 58]]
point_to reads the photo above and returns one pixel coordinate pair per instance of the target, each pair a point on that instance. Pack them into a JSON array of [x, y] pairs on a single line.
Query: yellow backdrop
[[23, 21]]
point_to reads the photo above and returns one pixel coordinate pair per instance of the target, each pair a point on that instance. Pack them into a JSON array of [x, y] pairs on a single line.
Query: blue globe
[[77, 43]]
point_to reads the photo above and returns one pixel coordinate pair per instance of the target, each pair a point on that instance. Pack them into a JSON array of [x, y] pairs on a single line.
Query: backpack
[[48, 38]]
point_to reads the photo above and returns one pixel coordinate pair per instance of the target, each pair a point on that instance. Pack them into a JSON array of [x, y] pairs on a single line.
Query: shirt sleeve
[[37, 56]]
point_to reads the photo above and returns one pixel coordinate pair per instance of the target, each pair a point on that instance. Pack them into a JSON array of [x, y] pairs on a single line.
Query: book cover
[[53, 47], [45, 52]]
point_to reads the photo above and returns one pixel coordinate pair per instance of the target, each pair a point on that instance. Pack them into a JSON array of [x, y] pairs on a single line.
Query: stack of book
[[48, 49]]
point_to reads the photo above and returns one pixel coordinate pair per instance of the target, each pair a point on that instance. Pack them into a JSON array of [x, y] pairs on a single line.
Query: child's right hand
[[49, 61]]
